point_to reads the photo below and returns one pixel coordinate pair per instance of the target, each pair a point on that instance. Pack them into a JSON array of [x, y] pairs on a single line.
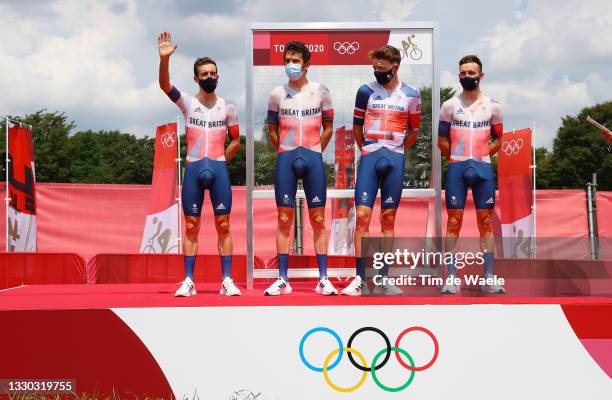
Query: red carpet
[[37, 297]]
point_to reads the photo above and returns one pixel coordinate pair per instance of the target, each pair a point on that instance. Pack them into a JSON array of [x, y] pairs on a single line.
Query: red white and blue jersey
[[300, 114], [469, 132], [206, 128], [386, 117]]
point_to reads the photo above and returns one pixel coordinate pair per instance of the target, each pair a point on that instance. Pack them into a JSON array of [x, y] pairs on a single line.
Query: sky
[[98, 61]]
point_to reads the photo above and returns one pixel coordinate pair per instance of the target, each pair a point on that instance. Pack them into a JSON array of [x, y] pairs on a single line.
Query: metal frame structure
[[434, 193], [534, 207], [178, 194], [591, 189]]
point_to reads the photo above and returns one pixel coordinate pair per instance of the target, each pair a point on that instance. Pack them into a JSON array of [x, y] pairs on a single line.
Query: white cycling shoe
[[228, 288], [280, 286], [325, 287], [186, 289]]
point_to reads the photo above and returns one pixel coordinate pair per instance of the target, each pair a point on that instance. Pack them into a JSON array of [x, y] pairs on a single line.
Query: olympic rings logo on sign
[[513, 147], [362, 365], [346, 47], [167, 139]]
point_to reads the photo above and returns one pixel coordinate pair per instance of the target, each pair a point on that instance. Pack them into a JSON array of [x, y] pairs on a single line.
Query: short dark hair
[[297, 47], [471, 58], [203, 61], [388, 53]]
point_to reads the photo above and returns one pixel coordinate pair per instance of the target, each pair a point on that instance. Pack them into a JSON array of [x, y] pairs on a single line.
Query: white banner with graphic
[[161, 232], [480, 351], [341, 238], [515, 181]]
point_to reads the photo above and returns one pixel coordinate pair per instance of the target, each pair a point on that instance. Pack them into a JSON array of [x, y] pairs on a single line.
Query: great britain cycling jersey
[[299, 116], [207, 129], [386, 117], [468, 131], [470, 163]]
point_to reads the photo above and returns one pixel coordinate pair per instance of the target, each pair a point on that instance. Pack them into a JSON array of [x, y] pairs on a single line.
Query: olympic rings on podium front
[[363, 365], [387, 342], [321, 329], [397, 351], [364, 374], [433, 339]]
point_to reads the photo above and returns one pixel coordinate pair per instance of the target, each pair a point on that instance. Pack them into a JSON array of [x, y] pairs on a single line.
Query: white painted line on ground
[[11, 288]]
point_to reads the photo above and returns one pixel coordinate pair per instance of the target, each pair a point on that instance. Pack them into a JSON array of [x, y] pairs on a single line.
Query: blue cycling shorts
[[382, 168], [206, 174], [295, 164], [470, 174]]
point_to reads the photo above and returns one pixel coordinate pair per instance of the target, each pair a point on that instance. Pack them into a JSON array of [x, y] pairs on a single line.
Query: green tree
[[419, 156], [111, 157], [237, 167], [88, 157], [543, 168], [264, 161], [50, 136], [579, 151], [87, 165], [116, 157], [264, 156]]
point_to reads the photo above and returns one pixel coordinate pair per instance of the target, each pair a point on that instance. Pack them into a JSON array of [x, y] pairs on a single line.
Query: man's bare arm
[[273, 134], [410, 139], [444, 146], [494, 146], [328, 127], [166, 48], [232, 148], [358, 135]]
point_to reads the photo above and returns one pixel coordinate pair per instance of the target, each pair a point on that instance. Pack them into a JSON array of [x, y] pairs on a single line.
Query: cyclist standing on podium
[[208, 120], [386, 122], [297, 111], [467, 123]]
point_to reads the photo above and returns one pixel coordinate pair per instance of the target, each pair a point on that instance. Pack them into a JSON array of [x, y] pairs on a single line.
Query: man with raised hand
[[297, 111], [469, 134], [208, 120], [386, 121]]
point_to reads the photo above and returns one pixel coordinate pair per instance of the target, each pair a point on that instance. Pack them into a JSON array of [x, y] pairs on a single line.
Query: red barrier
[[40, 268], [562, 213], [310, 261], [604, 214], [160, 268], [411, 221], [91, 219]]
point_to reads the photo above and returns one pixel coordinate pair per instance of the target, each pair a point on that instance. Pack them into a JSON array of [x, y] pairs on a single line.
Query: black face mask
[[469, 83], [384, 77], [209, 84]]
